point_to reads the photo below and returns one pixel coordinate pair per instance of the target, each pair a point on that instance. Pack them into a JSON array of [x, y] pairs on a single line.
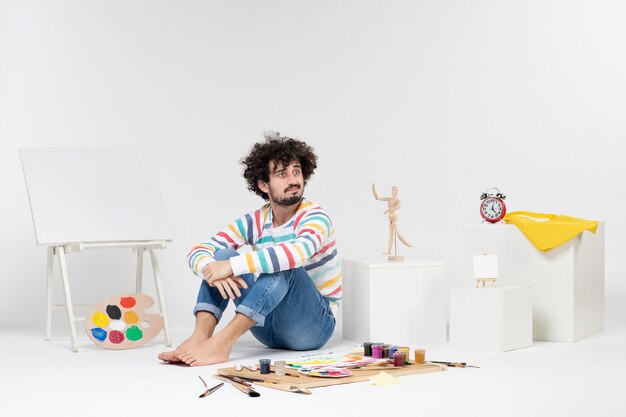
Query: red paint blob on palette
[[128, 302], [121, 322], [116, 337]]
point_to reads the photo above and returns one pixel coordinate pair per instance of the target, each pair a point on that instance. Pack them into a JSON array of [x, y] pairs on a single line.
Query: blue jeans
[[290, 313]]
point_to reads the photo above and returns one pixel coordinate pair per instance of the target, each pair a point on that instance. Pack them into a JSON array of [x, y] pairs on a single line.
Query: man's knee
[[290, 275], [223, 254]]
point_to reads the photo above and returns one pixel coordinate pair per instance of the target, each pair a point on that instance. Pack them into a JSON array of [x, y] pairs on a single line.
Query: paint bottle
[[377, 351], [367, 348], [420, 355], [392, 349], [264, 364], [406, 351], [279, 368], [385, 351], [398, 358]]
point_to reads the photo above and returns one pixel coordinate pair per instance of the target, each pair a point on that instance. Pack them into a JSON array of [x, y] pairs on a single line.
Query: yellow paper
[[383, 379], [547, 231]]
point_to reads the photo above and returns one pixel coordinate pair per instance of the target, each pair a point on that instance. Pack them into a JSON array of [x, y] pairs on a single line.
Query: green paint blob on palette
[[121, 322]]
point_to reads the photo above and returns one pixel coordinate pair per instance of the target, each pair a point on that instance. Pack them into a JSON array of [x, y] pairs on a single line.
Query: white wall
[[443, 98]]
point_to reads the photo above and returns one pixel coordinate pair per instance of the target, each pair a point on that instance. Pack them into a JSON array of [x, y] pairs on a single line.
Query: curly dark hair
[[280, 149]]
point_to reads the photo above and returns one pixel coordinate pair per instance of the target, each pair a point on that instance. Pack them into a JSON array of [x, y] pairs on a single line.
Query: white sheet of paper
[[383, 379]]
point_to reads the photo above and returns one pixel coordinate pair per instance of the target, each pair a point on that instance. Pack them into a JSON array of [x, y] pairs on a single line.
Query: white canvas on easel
[[94, 198], [485, 269]]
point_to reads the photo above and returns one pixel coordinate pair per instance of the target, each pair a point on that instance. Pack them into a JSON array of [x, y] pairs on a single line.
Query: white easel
[[94, 198]]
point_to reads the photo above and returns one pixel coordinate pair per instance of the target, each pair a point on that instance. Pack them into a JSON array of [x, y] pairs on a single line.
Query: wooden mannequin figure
[[393, 204]]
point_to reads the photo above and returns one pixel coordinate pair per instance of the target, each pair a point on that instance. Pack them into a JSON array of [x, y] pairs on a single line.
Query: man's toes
[[168, 357], [183, 356], [180, 352], [189, 359]]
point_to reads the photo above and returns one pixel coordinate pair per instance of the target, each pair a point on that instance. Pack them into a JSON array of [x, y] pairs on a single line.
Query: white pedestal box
[[567, 282], [394, 302], [493, 319]]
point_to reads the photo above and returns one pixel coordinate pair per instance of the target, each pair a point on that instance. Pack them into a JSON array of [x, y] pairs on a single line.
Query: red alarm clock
[[492, 207]]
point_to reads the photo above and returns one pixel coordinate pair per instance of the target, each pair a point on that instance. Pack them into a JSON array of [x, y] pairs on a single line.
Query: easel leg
[[139, 270], [49, 293], [68, 297], [159, 289]]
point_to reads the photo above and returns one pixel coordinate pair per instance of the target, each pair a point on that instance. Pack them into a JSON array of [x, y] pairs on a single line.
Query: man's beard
[[287, 201]]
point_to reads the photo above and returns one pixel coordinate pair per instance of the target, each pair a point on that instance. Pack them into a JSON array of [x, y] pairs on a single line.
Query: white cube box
[[493, 319], [394, 302], [567, 282]]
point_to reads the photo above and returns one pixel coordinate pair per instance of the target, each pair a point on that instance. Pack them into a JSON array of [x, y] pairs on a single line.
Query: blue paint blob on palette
[[120, 322], [99, 333]]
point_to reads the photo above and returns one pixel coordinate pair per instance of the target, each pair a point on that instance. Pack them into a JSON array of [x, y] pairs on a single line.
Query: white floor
[[586, 378]]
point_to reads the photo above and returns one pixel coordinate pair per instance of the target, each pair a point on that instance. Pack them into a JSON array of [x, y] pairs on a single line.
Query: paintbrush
[[270, 384], [455, 364], [371, 368], [244, 387], [382, 364], [211, 390]]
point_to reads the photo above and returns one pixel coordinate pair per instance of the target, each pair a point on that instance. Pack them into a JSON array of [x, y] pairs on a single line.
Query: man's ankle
[[205, 323]]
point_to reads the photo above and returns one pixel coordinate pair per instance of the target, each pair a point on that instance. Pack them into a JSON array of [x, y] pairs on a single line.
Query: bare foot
[[214, 350], [191, 342]]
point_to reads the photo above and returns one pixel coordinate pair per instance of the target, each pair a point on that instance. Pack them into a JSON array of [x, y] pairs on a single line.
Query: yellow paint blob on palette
[[121, 322]]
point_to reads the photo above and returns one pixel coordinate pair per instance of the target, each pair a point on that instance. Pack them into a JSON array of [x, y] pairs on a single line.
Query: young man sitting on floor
[[290, 304]]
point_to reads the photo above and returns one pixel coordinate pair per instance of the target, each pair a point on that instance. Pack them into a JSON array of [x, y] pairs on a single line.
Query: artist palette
[[120, 322]]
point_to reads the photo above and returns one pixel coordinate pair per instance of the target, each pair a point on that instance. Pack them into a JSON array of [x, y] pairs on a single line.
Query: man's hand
[[219, 274]]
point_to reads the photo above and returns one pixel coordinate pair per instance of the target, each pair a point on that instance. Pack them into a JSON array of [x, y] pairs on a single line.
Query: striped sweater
[[307, 239]]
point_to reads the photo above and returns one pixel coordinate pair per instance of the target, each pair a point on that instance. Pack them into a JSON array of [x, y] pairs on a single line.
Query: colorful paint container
[[385, 351], [398, 358], [264, 364], [420, 355], [406, 351], [279, 368], [367, 348], [377, 351], [392, 349]]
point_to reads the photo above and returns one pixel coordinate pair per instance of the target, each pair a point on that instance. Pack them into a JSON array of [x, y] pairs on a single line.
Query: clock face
[[492, 209]]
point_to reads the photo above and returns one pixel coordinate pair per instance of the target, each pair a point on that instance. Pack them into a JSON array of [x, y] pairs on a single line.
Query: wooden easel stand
[[61, 250]]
